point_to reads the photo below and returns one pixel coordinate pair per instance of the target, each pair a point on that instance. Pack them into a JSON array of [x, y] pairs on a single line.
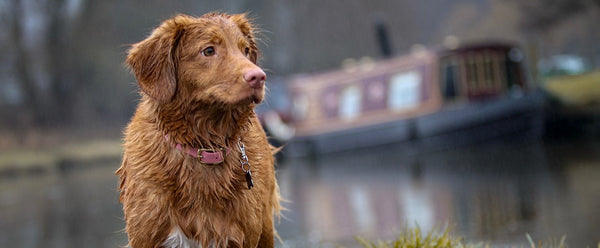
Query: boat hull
[[448, 127]]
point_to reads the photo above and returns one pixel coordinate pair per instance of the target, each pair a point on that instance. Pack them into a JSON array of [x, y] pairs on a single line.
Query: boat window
[[501, 70], [472, 76], [350, 102], [300, 107], [488, 72], [404, 90]]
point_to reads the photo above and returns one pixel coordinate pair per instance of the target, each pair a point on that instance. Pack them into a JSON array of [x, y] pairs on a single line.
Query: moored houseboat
[[433, 97]]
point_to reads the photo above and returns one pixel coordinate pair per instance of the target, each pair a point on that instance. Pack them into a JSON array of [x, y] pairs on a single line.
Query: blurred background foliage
[[62, 68]]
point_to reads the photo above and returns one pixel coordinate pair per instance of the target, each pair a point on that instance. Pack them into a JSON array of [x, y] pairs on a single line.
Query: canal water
[[494, 192]]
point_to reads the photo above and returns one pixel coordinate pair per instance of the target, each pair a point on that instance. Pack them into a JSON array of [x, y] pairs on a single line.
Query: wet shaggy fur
[[198, 97]]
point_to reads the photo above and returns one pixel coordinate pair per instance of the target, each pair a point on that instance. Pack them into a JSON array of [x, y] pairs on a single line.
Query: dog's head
[[210, 59]]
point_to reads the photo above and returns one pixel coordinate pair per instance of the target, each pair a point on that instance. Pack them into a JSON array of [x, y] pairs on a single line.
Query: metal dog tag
[[249, 180], [245, 163]]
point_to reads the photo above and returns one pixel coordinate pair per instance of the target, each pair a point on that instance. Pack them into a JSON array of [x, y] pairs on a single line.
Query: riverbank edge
[[18, 162]]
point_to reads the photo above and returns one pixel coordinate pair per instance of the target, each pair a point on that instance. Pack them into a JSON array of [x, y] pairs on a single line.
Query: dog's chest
[[177, 239]]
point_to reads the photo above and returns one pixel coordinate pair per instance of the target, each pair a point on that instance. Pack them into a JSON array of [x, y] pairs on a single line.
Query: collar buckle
[[210, 156]]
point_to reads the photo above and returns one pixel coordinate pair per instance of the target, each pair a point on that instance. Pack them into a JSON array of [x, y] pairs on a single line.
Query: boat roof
[[374, 68], [476, 46], [367, 69]]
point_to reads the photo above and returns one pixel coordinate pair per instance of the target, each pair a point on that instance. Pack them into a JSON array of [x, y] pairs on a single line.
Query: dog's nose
[[255, 78]]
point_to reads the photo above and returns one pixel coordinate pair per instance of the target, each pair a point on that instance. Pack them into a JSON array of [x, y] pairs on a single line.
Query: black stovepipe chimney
[[383, 40]]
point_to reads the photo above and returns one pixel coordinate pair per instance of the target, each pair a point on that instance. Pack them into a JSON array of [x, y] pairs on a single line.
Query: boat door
[[450, 78]]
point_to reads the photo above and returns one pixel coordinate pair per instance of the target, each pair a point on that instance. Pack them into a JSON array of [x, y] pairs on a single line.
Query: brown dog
[[197, 169]]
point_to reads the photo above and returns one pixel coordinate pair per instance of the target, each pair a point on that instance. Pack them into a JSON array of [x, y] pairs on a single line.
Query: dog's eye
[[209, 51], [247, 51]]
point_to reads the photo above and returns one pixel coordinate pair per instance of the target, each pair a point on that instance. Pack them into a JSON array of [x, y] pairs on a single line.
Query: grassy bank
[[24, 161], [576, 90], [436, 238]]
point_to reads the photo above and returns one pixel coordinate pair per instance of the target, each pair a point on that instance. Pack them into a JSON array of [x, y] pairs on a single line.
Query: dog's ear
[[153, 60], [245, 25]]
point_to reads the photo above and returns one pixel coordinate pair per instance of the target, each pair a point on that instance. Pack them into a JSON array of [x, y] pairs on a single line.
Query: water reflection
[[495, 192], [73, 209]]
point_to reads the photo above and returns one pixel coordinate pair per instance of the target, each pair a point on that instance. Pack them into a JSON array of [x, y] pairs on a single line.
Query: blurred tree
[[40, 33], [562, 26], [22, 72], [545, 14]]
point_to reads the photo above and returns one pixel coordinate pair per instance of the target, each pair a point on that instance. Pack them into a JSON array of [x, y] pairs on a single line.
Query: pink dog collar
[[206, 156]]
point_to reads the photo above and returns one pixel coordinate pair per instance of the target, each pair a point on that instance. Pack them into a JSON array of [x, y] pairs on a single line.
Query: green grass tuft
[[552, 243], [414, 238], [443, 238]]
